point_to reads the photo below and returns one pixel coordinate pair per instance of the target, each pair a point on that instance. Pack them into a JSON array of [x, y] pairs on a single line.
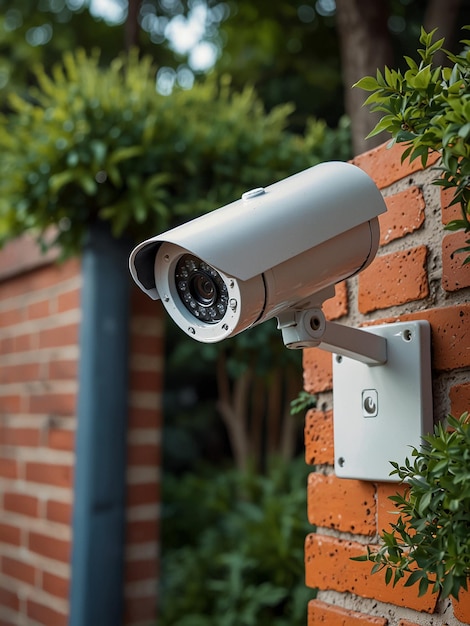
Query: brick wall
[[39, 352], [413, 277]]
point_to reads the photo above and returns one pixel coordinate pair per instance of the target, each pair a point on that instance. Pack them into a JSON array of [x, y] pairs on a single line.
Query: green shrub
[[90, 143], [428, 109], [233, 548]]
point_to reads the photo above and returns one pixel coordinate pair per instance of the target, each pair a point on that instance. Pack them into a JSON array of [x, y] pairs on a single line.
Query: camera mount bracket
[[382, 391]]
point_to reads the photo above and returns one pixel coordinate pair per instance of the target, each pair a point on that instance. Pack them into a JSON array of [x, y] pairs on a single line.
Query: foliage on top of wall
[[428, 109], [91, 143], [429, 544]]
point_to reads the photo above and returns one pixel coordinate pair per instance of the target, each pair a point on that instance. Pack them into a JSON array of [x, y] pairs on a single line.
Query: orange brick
[[455, 275], [63, 370], [449, 213], [405, 622], [45, 614], [56, 474], [344, 505], [318, 370], [387, 513], [19, 570], [459, 399], [462, 606], [384, 164], [318, 433], [25, 372], [394, 279], [50, 547], [329, 567], [322, 613], [10, 404], [21, 503], [405, 214], [336, 307]]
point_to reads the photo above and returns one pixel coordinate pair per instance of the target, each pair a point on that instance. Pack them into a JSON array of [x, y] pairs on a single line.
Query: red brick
[[322, 613], [462, 606], [10, 534], [10, 404], [21, 503], [38, 310], [141, 608], [146, 381], [141, 570], [143, 344], [53, 403], [9, 599], [144, 418], [146, 493], [60, 512], [50, 547], [61, 439], [336, 307], [455, 275], [144, 454], [8, 468], [142, 305], [384, 164], [405, 622], [45, 614], [319, 448], [63, 370], [25, 437], [11, 317], [394, 279], [344, 505], [19, 570], [449, 213], [460, 399], [58, 336], [329, 567], [318, 370], [69, 300], [18, 343], [25, 372], [141, 531], [56, 474], [405, 214], [55, 585]]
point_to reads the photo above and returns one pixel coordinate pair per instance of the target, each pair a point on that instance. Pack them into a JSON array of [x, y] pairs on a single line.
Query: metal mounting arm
[[309, 328]]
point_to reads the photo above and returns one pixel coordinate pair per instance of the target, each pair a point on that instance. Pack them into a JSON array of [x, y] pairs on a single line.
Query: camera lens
[[201, 289]]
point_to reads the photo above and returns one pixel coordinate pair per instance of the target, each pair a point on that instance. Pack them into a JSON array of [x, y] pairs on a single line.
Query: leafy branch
[[428, 109], [429, 545]]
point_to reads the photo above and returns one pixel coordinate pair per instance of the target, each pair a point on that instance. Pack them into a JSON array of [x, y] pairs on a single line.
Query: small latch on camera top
[[253, 193]]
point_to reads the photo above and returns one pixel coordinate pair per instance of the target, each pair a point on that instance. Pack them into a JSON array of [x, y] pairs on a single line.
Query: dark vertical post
[[99, 501]]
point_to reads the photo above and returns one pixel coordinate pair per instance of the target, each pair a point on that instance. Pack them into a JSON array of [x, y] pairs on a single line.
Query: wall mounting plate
[[382, 411]]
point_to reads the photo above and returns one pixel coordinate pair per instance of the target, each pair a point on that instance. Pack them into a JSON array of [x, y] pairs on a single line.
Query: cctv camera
[[278, 248]]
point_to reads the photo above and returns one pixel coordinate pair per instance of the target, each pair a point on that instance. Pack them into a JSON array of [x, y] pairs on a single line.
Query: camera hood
[[268, 226]]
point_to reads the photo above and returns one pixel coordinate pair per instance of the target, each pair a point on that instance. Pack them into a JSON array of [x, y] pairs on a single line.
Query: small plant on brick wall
[[429, 544], [428, 109]]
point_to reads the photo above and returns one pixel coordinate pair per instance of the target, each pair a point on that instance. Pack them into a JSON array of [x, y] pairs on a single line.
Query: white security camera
[[279, 252], [271, 251]]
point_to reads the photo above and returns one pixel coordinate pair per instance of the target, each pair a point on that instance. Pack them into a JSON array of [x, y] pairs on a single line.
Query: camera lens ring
[[201, 289]]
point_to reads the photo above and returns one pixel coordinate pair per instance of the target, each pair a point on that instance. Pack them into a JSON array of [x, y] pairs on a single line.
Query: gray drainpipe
[[96, 595]]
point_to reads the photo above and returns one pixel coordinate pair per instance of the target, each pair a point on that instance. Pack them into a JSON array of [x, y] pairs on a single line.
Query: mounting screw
[[341, 461], [338, 358]]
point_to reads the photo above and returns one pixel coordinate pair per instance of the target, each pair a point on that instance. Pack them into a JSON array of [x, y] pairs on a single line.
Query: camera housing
[[277, 249]]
